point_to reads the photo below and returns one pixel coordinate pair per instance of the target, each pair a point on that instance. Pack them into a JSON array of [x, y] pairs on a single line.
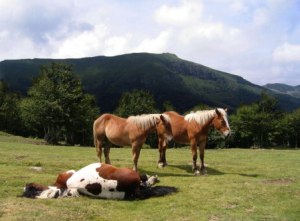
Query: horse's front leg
[[136, 149], [195, 168], [162, 146], [202, 145]]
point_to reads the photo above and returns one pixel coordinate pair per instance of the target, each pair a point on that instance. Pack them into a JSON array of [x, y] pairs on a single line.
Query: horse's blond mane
[[146, 121], [201, 117]]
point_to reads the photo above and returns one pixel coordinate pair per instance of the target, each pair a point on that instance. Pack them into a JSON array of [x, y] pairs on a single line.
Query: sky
[[256, 39]]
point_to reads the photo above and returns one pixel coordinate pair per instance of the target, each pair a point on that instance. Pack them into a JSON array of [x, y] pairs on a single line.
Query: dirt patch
[[37, 169], [280, 181], [213, 218], [20, 157]]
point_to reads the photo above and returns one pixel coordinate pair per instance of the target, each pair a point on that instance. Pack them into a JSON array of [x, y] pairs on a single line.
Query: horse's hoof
[[203, 172], [160, 165], [197, 173]]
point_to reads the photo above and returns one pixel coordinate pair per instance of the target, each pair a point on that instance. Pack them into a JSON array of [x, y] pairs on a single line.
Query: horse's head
[[33, 190], [163, 126], [220, 121]]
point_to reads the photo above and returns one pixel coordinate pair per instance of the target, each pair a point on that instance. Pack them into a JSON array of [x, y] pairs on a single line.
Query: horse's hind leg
[[98, 145], [107, 151]]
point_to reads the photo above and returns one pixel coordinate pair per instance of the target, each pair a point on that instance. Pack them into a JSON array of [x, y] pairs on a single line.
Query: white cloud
[[287, 53], [238, 6], [155, 45], [187, 12], [260, 17], [117, 45], [80, 44]]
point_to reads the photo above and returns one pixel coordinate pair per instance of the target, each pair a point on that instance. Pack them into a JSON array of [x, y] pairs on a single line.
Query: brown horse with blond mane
[[110, 129], [193, 129]]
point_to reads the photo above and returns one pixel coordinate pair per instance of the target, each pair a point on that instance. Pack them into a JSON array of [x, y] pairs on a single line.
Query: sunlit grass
[[241, 184]]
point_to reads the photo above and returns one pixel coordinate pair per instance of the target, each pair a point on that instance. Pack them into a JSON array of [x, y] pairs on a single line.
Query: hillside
[[284, 89], [169, 78]]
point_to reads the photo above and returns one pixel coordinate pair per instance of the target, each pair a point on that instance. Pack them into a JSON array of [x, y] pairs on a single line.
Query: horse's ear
[[225, 109], [218, 112], [163, 119]]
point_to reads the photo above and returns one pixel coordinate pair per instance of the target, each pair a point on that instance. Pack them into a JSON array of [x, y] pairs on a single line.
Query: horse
[[110, 129], [99, 181], [193, 129]]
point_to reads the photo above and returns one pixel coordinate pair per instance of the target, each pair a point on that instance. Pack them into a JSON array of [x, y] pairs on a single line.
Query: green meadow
[[242, 184]]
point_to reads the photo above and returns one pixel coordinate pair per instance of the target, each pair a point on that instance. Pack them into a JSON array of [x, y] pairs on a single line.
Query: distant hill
[[284, 89], [169, 78]]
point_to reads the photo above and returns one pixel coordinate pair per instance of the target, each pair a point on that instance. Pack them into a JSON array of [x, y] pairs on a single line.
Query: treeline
[[57, 109]]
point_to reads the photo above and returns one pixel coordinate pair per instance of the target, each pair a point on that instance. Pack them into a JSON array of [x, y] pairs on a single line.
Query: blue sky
[[256, 39]]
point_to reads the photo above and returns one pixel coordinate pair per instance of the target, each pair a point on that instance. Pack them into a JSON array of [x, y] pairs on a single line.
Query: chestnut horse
[[132, 131], [99, 181], [193, 129]]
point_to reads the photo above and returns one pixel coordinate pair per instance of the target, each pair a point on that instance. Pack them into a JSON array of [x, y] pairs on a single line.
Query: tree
[[255, 124], [57, 105], [136, 102], [168, 106], [289, 129], [9, 112]]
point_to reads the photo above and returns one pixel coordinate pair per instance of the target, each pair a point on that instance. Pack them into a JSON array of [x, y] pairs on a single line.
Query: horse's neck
[[144, 122], [203, 118], [208, 124]]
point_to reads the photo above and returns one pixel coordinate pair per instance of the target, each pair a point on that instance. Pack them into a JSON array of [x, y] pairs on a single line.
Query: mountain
[[169, 78], [284, 89]]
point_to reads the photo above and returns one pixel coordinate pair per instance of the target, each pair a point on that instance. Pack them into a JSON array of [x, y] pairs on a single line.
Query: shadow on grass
[[161, 173], [188, 170]]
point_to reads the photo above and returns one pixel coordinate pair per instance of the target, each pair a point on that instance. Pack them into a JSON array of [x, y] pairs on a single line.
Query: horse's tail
[[94, 133], [100, 120], [156, 191]]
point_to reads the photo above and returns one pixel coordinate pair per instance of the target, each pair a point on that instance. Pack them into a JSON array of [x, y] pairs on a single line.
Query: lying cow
[[100, 181]]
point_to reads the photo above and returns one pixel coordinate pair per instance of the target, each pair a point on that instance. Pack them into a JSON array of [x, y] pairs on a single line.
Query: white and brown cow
[[99, 181]]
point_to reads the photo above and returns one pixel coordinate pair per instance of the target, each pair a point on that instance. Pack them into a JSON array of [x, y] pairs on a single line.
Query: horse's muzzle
[[226, 133]]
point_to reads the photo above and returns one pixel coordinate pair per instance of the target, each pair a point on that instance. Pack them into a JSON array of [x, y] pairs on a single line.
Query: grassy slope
[[242, 184]]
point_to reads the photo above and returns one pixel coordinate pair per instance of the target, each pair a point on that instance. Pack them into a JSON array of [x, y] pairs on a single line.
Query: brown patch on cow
[[94, 188], [280, 181], [61, 180]]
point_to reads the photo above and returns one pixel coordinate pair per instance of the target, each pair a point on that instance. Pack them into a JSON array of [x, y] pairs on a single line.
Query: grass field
[[242, 184]]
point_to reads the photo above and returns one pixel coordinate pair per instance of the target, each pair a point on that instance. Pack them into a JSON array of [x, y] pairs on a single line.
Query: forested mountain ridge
[[284, 89], [169, 78]]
